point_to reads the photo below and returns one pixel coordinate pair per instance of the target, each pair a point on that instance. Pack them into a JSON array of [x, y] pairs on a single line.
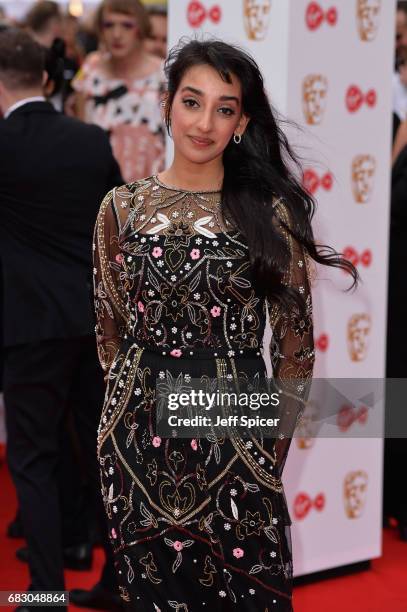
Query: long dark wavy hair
[[257, 171]]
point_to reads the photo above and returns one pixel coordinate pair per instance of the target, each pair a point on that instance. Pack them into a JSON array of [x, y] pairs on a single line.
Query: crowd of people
[[81, 105]]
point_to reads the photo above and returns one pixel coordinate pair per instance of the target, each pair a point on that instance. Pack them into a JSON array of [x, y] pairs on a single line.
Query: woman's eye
[[189, 102], [227, 111]]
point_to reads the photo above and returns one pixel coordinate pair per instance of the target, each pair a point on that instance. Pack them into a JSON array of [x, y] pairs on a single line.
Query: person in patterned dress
[[188, 266], [119, 89]]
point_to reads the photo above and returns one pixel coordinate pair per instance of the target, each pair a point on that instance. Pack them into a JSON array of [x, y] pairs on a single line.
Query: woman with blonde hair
[[119, 89]]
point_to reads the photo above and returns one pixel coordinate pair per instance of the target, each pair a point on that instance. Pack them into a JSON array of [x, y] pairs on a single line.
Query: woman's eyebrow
[[198, 92]]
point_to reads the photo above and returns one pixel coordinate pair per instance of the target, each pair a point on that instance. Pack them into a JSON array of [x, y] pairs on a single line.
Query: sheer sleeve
[[109, 292], [292, 344]]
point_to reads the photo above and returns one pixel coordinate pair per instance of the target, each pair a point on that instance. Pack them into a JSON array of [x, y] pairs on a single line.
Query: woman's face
[[205, 113], [120, 33]]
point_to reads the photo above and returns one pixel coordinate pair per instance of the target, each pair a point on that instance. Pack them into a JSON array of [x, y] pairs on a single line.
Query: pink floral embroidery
[[215, 311], [140, 306], [119, 258], [178, 545], [156, 441], [194, 445], [114, 534], [157, 251], [176, 353], [195, 254], [238, 552]]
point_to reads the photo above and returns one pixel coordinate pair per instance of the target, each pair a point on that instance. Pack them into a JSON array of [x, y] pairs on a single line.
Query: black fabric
[[43, 382], [54, 171], [394, 494]]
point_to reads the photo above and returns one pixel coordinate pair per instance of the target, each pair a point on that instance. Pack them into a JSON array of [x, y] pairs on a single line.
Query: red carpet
[[381, 589]]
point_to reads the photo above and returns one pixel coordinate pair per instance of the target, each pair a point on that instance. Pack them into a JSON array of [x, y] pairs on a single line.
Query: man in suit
[[54, 171]]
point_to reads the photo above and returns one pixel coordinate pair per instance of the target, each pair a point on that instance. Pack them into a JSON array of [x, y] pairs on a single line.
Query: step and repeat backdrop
[[328, 66]]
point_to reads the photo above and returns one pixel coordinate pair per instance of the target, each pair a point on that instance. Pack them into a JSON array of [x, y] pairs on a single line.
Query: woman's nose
[[205, 121]]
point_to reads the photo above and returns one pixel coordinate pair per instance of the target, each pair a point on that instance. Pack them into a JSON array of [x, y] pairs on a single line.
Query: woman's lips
[[201, 142]]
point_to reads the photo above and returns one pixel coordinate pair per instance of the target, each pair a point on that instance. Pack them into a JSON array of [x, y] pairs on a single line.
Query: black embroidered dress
[[195, 524]]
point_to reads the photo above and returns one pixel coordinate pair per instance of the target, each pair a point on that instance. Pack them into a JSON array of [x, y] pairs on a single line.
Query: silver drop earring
[[237, 138]]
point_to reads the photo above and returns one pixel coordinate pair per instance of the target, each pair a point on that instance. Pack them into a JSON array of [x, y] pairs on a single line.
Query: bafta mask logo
[[363, 172], [367, 17], [314, 94], [256, 15], [354, 493], [306, 429], [359, 326]]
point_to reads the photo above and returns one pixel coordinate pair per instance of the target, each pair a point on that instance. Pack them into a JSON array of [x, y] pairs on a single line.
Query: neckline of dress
[[170, 188]]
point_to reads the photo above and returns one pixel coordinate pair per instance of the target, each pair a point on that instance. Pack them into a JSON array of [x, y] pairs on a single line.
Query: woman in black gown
[[188, 266]]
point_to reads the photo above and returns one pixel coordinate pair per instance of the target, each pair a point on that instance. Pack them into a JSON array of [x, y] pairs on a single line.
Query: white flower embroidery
[[161, 374], [227, 526], [197, 296], [174, 330], [233, 492], [137, 391], [222, 593]]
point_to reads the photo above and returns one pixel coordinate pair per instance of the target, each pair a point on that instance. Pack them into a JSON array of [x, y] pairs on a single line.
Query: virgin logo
[[312, 181], [364, 258], [303, 504], [355, 98], [315, 16], [322, 342], [197, 13], [349, 415]]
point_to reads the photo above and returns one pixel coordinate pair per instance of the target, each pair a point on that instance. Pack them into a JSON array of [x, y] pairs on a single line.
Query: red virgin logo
[[197, 13], [322, 342], [315, 16], [355, 98], [364, 258], [349, 415], [303, 504], [312, 181]]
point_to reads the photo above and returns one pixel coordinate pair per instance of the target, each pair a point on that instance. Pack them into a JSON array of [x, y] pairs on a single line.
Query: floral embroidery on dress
[[193, 522]]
